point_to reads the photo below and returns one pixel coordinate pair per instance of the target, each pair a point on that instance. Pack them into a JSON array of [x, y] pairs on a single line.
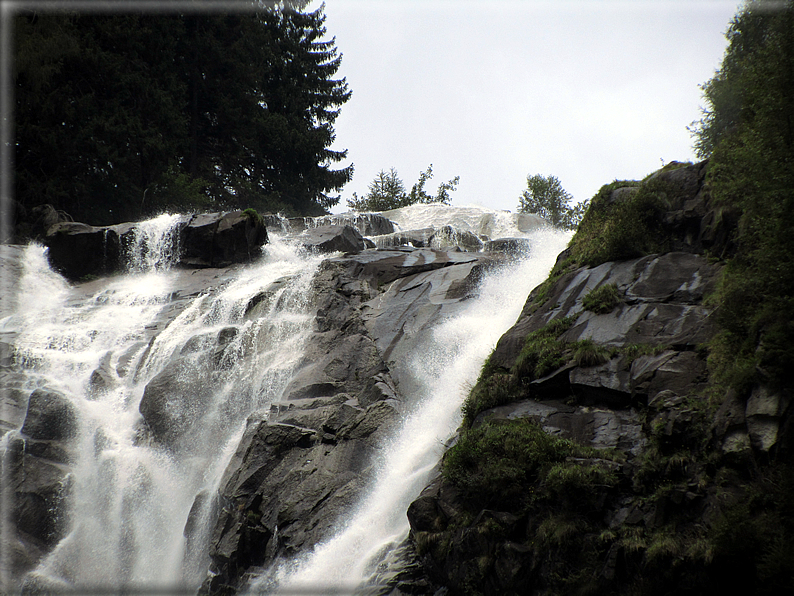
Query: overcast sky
[[493, 90]]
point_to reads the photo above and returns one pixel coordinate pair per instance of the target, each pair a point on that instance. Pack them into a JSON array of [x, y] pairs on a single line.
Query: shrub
[[253, 215], [515, 464], [614, 230], [542, 351], [494, 464], [602, 299], [587, 353]]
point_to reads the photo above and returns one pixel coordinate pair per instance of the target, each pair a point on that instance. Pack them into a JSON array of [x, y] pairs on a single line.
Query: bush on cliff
[[514, 465], [748, 133]]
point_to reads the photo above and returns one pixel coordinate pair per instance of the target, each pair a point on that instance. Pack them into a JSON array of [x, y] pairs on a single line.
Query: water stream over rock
[[147, 391]]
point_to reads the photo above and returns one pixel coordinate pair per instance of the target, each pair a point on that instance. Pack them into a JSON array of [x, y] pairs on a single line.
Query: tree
[[387, 191], [748, 134], [731, 94], [546, 197], [122, 115]]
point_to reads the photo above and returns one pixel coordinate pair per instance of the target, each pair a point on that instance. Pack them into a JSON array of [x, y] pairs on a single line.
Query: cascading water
[[445, 366], [129, 497], [162, 379]]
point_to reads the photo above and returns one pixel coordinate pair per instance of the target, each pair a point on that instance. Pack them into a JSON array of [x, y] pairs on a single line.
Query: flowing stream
[[445, 365], [129, 498], [232, 345]]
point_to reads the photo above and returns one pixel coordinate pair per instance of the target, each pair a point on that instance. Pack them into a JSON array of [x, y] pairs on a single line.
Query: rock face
[[78, 250], [334, 238], [221, 239], [298, 469], [36, 466], [368, 224], [609, 358]]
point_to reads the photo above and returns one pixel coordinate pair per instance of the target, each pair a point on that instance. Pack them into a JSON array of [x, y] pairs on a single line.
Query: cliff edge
[[596, 454]]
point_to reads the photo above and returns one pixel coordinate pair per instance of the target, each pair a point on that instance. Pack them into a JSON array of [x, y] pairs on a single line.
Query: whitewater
[[130, 499]]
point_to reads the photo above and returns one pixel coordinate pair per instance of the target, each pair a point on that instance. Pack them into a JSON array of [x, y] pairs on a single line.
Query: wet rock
[[50, 417], [13, 401], [448, 237], [303, 465], [221, 239], [174, 400], [510, 246], [77, 250], [763, 414], [420, 238], [663, 295], [368, 224], [37, 481], [328, 239]]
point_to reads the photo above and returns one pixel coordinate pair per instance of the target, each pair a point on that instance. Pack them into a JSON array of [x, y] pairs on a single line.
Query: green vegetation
[[546, 197], [253, 215], [693, 519], [118, 116], [543, 352], [616, 226], [515, 465], [387, 192], [622, 227], [748, 133], [755, 527], [601, 300]]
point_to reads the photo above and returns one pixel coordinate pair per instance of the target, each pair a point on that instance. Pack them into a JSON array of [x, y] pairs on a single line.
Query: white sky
[[494, 90]]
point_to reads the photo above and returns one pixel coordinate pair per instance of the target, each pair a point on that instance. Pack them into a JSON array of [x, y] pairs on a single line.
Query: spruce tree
[[123, 115]]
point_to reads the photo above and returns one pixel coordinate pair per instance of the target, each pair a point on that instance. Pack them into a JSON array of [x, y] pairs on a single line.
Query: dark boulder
[[511, 246], [174, 400], [221, 239], [77, 250], [51, 417], [334, 238]]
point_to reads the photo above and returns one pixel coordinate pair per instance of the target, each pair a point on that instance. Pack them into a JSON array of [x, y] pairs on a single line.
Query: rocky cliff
[[302, 462], [596, 455], [298, 469]]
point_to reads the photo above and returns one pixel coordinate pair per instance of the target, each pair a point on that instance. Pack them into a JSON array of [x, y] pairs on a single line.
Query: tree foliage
[[387, 191], [123, 115], [748, 133], [545, 196]]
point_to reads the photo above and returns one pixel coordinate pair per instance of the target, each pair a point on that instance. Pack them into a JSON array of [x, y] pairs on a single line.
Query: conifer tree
[[121, 115]]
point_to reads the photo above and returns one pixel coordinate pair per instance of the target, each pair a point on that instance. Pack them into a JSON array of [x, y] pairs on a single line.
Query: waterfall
[[155, 244], [100, 344], [445, 366], [162, 367]]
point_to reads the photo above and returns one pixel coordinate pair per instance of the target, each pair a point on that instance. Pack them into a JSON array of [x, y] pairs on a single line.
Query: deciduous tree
[[546, 197]]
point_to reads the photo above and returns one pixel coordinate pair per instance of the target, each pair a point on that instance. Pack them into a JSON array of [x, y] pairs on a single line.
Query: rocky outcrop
[[301, 466], [36, 468], [367, 224], [78, 250], [221, 239], [603, 380], [334, 238]]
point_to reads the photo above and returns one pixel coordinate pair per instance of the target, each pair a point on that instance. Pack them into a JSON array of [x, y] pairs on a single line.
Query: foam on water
[[129, 498]]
